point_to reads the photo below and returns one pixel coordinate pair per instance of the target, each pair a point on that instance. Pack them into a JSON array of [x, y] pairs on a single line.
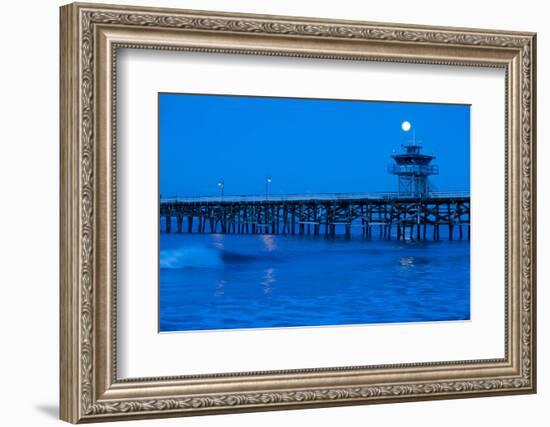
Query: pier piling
[[397, 217]]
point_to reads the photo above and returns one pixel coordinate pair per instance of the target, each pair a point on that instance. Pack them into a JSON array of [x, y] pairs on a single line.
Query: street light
[[221, 185], [267, 182]]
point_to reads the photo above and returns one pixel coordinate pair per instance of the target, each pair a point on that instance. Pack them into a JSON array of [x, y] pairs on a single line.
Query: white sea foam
[[191, 256]]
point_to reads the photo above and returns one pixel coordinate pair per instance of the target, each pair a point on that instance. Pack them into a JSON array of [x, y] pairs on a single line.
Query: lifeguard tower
[[412, 169]]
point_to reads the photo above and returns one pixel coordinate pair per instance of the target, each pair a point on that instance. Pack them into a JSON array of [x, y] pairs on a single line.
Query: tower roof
[[412, 162], [412, 156]]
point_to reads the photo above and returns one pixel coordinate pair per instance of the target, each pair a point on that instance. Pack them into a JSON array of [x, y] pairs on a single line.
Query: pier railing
[[309, 197]]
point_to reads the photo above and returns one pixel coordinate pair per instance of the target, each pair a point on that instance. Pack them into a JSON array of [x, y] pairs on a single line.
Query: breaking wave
[[189, 257], [202, 257]]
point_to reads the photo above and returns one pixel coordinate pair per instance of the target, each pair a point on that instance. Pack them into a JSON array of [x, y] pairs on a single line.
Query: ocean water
[[217, 281]]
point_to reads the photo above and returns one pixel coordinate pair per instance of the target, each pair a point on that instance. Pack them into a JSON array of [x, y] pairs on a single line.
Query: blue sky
[[305, 145]]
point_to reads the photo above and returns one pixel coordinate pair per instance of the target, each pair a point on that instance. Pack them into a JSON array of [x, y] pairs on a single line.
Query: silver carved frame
[[90, 36]]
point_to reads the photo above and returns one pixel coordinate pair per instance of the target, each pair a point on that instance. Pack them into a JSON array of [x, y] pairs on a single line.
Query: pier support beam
[[414, 219], [168, 223]]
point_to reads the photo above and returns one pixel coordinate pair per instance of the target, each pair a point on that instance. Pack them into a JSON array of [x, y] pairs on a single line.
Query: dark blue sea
[[217, 281]]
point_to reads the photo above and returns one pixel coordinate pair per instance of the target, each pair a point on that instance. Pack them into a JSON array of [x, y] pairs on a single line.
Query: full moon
[[405, 126]]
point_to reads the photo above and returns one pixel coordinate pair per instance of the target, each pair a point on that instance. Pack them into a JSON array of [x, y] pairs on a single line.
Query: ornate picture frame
[[90, 37]]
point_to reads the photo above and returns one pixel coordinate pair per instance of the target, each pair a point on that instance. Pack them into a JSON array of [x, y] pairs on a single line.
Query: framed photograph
[[265, 212]]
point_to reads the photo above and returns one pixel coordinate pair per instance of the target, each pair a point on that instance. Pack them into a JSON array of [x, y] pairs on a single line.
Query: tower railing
[[413, 169]]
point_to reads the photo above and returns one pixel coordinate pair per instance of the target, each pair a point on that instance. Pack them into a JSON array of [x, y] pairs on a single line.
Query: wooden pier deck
[[381, 215]]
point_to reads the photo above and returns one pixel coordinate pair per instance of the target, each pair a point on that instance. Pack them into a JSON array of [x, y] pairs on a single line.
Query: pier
[[414, 212], [381, 215]]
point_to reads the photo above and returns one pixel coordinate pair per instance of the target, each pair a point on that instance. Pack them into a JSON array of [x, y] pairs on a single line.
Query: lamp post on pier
[[221, 186], [267, 182]]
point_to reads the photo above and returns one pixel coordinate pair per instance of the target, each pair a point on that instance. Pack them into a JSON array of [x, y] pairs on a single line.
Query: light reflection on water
[[219, 288], [407, 261], [269, 242], [269, 280]]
